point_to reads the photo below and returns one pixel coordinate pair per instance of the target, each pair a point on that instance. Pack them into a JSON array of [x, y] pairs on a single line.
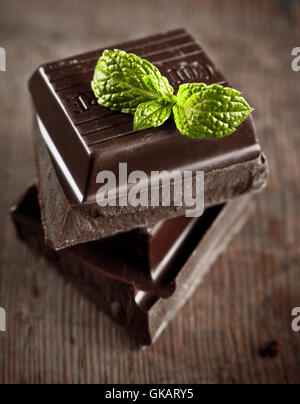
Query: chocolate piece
[[147, 246], [66, 225], [144, 307], [153, 247], [85, 138]]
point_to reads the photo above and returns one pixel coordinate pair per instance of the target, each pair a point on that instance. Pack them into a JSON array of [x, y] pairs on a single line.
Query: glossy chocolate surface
[[90, 138], [147, 248], [123, 291]]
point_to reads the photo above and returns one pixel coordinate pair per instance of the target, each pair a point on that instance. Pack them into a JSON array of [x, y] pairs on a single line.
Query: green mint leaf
[[209, 111], [122, 81], [152, 114], [153, 84]]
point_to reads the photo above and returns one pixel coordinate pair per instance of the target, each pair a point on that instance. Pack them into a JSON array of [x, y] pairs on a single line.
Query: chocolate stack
[[138, 263]]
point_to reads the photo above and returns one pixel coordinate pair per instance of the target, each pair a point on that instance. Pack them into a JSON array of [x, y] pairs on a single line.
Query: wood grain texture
[[237, 327]]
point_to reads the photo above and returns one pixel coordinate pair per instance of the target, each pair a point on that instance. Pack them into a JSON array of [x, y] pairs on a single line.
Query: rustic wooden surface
[[237, 327]]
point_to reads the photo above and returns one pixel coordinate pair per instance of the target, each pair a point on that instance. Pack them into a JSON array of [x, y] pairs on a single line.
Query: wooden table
[[237, 327]]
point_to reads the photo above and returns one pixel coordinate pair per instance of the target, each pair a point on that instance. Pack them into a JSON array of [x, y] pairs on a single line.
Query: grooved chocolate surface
[[91, 138]]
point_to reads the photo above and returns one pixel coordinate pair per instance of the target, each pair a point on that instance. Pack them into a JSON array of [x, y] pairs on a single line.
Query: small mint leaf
[[152, 114], [123, 80], [209, 111], [153, 85]]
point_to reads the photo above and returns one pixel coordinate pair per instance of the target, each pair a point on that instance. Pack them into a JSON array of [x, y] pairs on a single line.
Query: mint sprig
[[126, 83]]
